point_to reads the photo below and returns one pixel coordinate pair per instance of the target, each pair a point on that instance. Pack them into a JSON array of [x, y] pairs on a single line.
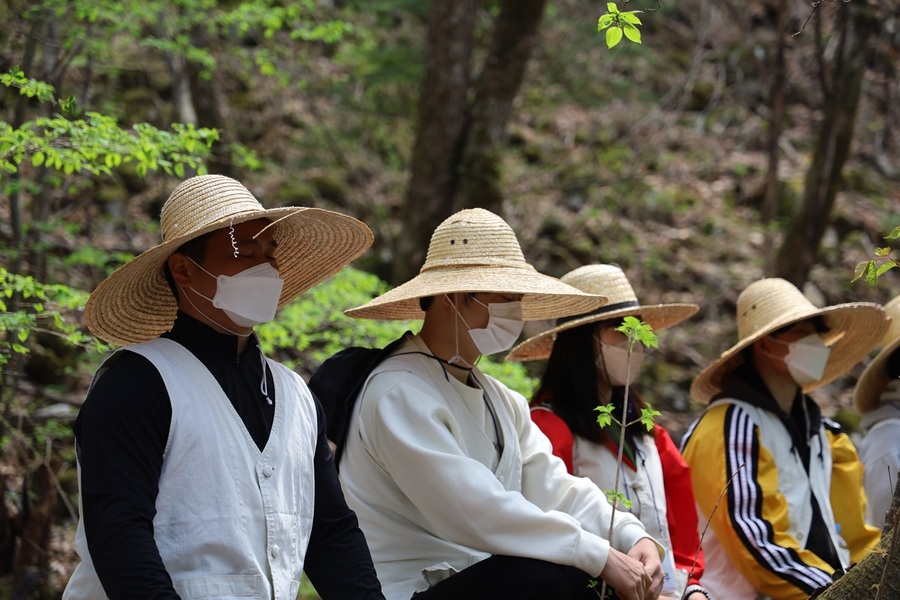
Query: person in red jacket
[[588, 366]]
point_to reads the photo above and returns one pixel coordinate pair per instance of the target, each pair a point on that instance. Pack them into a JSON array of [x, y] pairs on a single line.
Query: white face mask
[[806, 358], [249, 297], [614, 359], [503, 328]]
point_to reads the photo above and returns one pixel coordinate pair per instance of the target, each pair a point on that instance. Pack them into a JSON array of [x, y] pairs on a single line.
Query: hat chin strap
[[209, 318], [457, 360]]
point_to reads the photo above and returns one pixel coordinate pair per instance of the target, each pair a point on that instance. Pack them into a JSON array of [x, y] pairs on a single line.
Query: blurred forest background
[[739, 140]]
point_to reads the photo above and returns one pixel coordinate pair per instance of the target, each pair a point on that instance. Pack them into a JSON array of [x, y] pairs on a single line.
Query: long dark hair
[[569, 386]]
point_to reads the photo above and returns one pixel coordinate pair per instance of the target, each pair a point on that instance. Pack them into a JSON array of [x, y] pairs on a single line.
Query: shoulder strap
[[337, 383]]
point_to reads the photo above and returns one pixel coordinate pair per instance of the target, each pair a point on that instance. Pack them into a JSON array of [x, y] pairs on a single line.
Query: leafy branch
[[637, 332], [96, 144], [48, 302], [619, 23], [872, 269]]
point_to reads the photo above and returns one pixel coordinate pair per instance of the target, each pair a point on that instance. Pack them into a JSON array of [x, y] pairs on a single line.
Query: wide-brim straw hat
[[767, 305], [874, 379], [135, 304], [611, 281], [474, 250]]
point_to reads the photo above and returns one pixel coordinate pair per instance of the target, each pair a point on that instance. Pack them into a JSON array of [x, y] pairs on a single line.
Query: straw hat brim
[[658, 316], [871, 384], [134, 304], [544, 297], [854, 329]]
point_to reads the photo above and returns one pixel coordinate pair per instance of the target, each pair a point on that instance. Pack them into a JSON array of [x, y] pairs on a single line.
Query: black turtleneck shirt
[[121, 433]]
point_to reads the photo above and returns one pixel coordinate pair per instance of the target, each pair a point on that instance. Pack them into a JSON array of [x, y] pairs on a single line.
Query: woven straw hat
[[872, 382], [611, 281], [474, 250], [134, 304], [767, 305]]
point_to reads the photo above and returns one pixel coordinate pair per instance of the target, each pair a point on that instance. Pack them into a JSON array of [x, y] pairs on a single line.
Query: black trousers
[[514, 578]]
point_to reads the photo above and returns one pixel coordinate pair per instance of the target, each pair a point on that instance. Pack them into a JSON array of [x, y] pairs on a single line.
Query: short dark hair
[[194, 249], [892, 364], [425, 303], [817, 322]]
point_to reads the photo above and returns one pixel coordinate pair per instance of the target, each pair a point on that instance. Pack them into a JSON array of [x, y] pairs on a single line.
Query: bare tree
[[841, 80], [461, 126], [776, 124], [442, 109]]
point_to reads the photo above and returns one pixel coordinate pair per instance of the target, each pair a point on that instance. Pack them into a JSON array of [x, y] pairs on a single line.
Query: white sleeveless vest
[[231, 522]]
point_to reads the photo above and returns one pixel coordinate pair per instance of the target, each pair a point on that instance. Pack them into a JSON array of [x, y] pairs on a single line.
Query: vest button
[[268, 470], [275, 551]]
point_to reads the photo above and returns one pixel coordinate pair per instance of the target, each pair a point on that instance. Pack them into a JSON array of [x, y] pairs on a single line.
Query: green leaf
[[885, 268], [895, 234], [871, 274], [630, 17], [860, 270], [605, 21], [38, 159], [611, 7], [604, 418], [632, 33], [647, 416], [882, 251], [613, 36]]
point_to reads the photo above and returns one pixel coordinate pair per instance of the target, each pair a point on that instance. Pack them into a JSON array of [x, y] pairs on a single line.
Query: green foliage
[[871, 270], [96, 144], [618, 24], [45, 308]]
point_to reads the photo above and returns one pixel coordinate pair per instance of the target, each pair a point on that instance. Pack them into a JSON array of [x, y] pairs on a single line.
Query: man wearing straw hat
[[877, 397], [458, 494], [203, 467], [793, 511]]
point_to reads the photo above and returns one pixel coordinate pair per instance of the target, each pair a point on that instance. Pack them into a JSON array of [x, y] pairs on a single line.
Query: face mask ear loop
[[602, 362], [211, 320], [456, 360]]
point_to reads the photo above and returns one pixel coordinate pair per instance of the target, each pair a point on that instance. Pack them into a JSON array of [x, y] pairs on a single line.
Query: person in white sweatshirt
[[458, 494]]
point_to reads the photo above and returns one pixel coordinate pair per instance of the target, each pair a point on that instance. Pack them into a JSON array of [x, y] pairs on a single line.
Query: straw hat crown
[[611, 281], [201, 202], [474, 237], [874, 379], [135, 304], [475, 250], [768, 305]]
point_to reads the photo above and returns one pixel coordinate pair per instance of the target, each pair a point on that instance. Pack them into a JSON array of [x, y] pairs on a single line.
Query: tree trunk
[[439, 131], [456, 159], [776, 122], [865, 580], [798, 253], [514, 38], [40, 498]]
